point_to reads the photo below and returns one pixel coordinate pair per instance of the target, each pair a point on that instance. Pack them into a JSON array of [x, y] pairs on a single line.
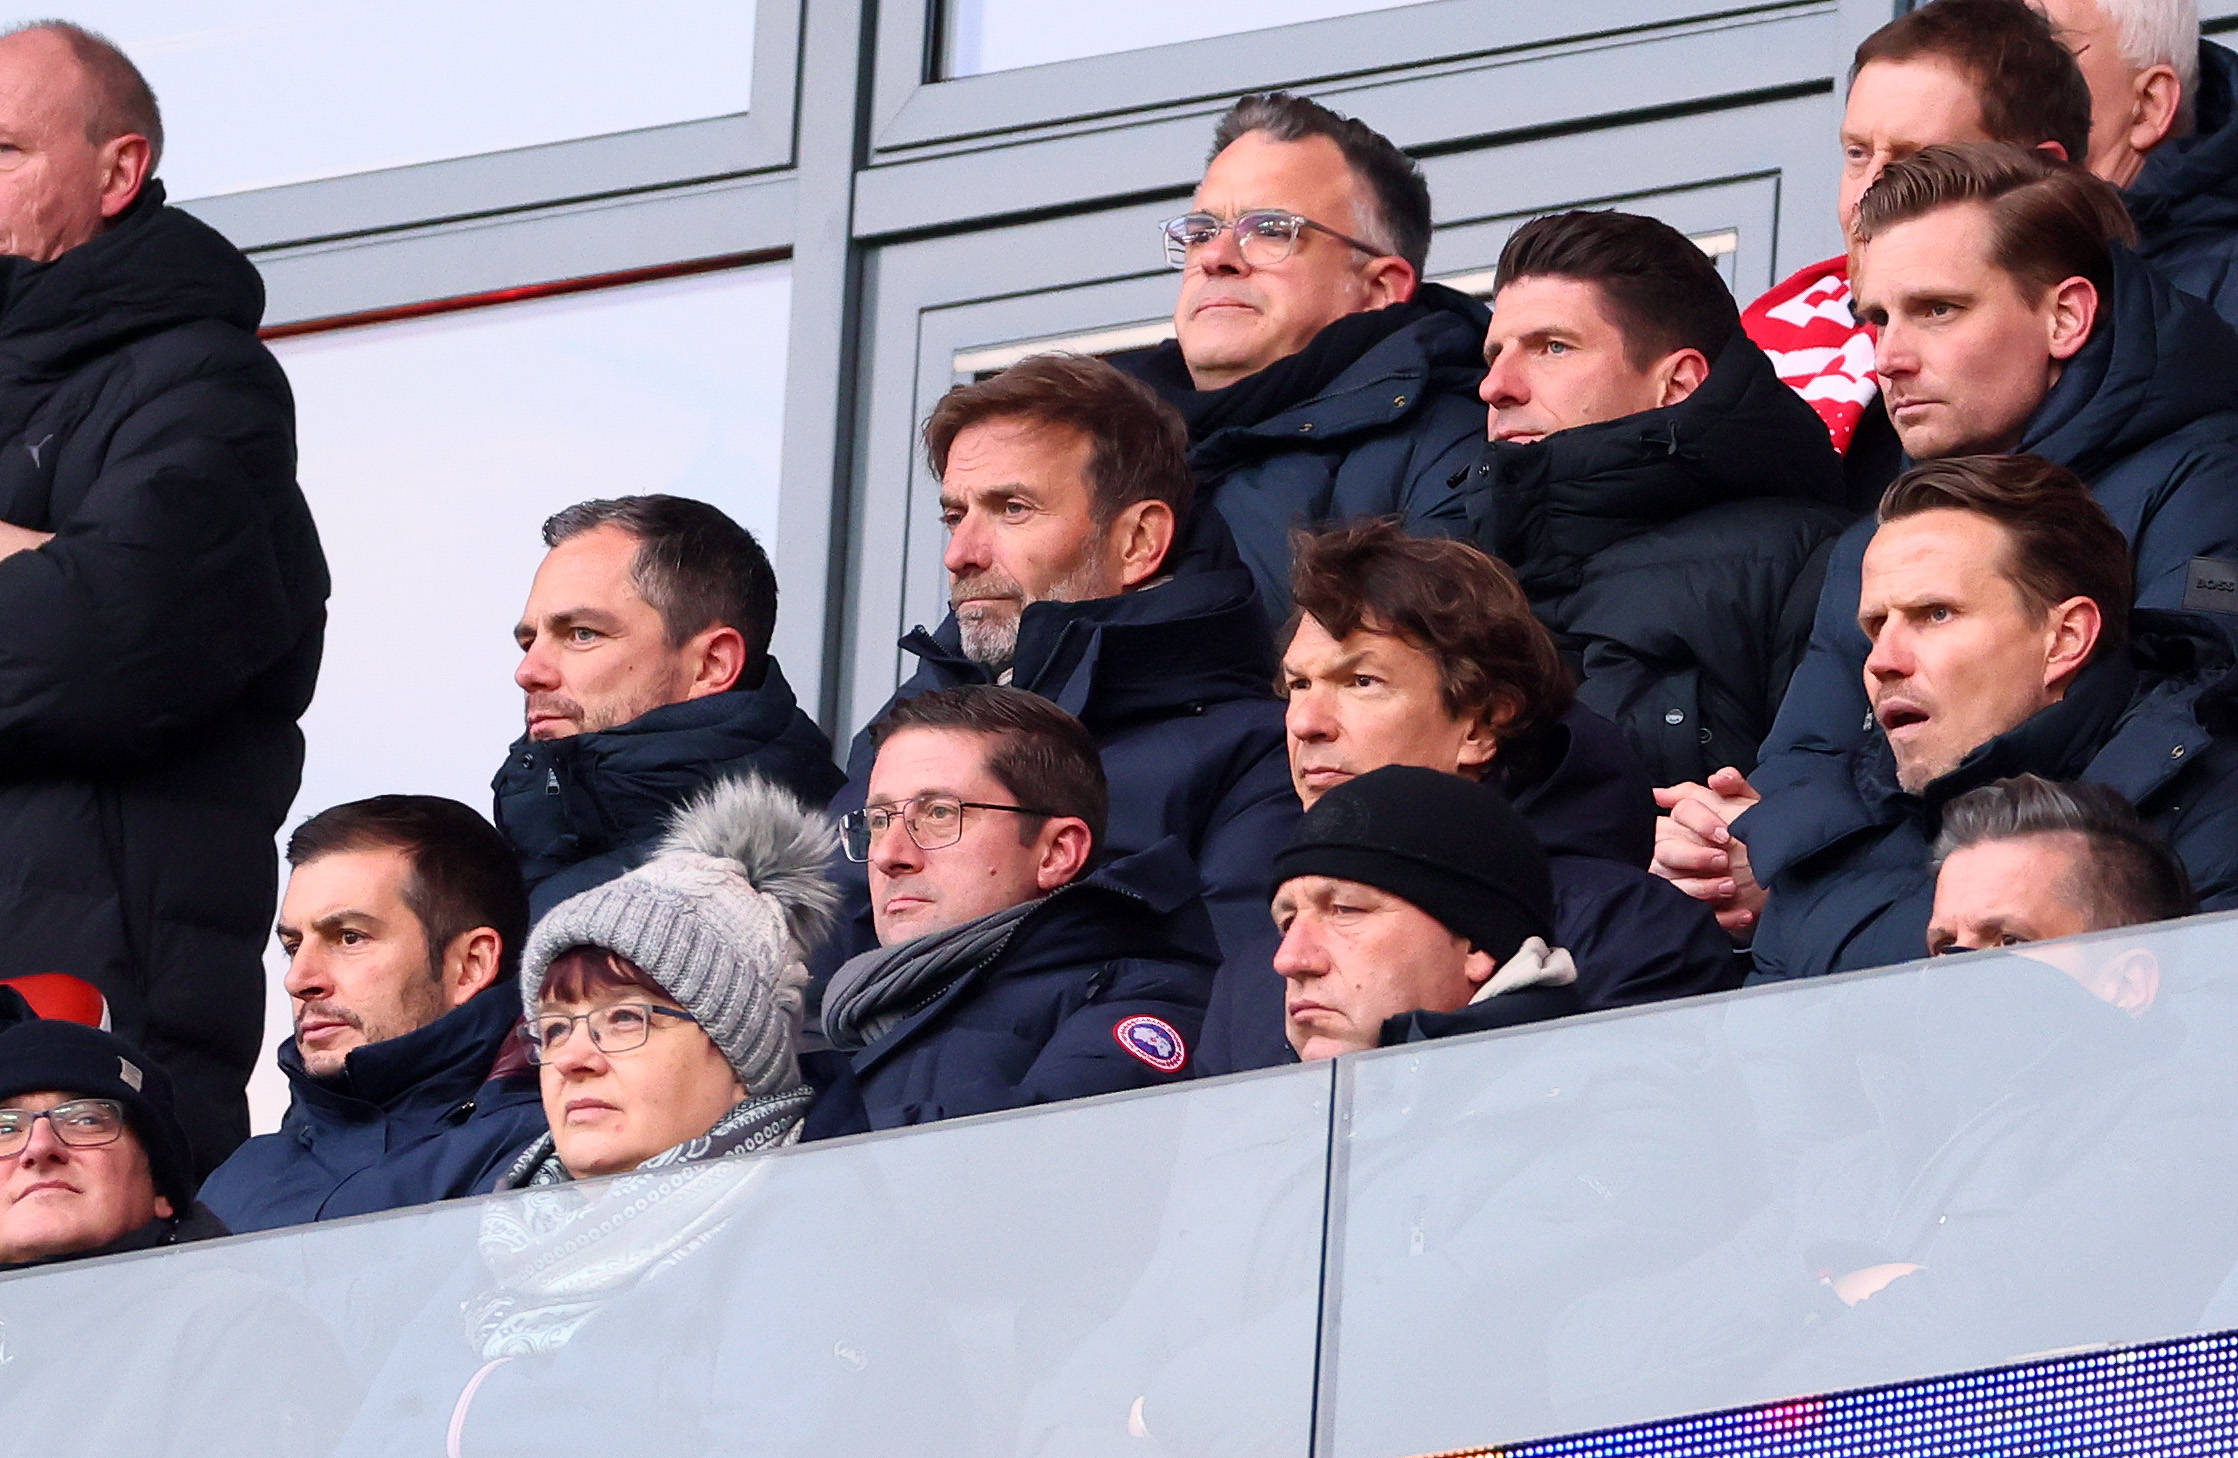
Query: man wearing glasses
[[1320, 377], [1011, 969], [92, 1158]]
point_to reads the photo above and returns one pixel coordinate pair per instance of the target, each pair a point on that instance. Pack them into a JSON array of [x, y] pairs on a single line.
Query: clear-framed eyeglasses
[[80, 1123], [933, 822], [616, 1028], [1264, 237]]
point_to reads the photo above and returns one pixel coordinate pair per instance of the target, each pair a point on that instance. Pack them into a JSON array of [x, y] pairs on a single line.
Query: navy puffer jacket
[[1845, 854], [1100, 988], [582, 810], [409, 1120], [1675, 556], [155, 655], [2147, 414]]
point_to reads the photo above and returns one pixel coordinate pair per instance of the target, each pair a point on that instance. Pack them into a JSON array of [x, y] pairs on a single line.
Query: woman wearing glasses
[[663, 1007], [670, 1309]]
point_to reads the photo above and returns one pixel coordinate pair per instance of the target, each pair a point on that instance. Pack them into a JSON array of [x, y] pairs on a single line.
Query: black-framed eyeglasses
[[933, 822], [1264, 236], [80, 1123], [616, 1028]]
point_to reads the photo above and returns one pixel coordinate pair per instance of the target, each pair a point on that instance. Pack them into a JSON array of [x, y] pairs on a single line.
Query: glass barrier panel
[[1136, 1274], [1796, 1189], [979, 36], [257, 93]]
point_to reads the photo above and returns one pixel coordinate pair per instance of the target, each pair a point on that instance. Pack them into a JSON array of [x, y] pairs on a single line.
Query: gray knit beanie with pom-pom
[[723, 917]]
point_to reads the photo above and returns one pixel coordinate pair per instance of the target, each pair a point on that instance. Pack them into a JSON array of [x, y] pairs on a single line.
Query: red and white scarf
[[1817, 346]]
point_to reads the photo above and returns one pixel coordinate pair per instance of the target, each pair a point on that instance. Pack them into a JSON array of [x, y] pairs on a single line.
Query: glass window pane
[[1127, 1276], [978, 36], [432, 450], [1804, 1188], [256, 93]]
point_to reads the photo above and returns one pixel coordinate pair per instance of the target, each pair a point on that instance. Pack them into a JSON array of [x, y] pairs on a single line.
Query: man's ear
[[2074, 311], [1480, 742], [1140, 540], [1065, 848], [124, 169], [164, 1209], [1388, 280], [2135, 980], [2054, 149], [471, 964], [717, 657], [2156, 97], [1478, 967], [1682, 374], [2071, 636]]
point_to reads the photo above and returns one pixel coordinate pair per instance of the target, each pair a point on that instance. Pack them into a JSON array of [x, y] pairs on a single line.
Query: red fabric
[[1816, 345], [58, 995]]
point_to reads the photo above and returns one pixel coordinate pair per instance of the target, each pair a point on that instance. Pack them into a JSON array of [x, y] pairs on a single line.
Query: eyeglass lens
[[82, 1123]]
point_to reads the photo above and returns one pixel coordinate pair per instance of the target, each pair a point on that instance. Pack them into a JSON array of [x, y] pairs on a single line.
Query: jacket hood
[[1196, 638], [2189, 185], [1582, 787], [441, 1063], [154, 268], [562, 801], [1743, 435], [2158, 361]]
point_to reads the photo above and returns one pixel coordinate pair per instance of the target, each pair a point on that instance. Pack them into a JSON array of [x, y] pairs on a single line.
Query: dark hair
[[1398, 196], [1138, 447], [2127, 874], [2059, 542], [2048, 221], [2030, 89], [697, 567], [119, 102], [581, 973], [463, 876], [1659, 287], [1448, 599], [1042, 755]]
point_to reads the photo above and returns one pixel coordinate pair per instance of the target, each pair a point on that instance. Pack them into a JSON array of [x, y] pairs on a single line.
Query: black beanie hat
[[1453, 847], [47, 1055]]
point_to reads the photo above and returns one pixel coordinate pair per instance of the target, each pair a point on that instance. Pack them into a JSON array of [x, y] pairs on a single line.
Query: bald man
[[162, 593]]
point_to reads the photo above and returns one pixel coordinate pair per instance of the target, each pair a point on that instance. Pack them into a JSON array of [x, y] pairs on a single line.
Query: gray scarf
[[871, 993], [557, 1254]]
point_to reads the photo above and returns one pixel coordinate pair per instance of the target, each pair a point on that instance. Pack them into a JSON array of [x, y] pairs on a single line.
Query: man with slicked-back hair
[[1320, 377], [2012, 318], [1995, 597]]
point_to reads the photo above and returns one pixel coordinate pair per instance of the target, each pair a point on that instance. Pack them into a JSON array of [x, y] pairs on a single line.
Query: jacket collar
[[1743, 435], [443, 1062], [1381, 363], [1142, 905], [2157, 361], [1196, 638]]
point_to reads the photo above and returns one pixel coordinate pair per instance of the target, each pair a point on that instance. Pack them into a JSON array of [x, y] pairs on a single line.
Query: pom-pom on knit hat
[[723, 917]]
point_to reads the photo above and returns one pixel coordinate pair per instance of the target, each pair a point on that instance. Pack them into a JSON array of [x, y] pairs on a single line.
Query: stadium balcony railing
[[1697, 1207]]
